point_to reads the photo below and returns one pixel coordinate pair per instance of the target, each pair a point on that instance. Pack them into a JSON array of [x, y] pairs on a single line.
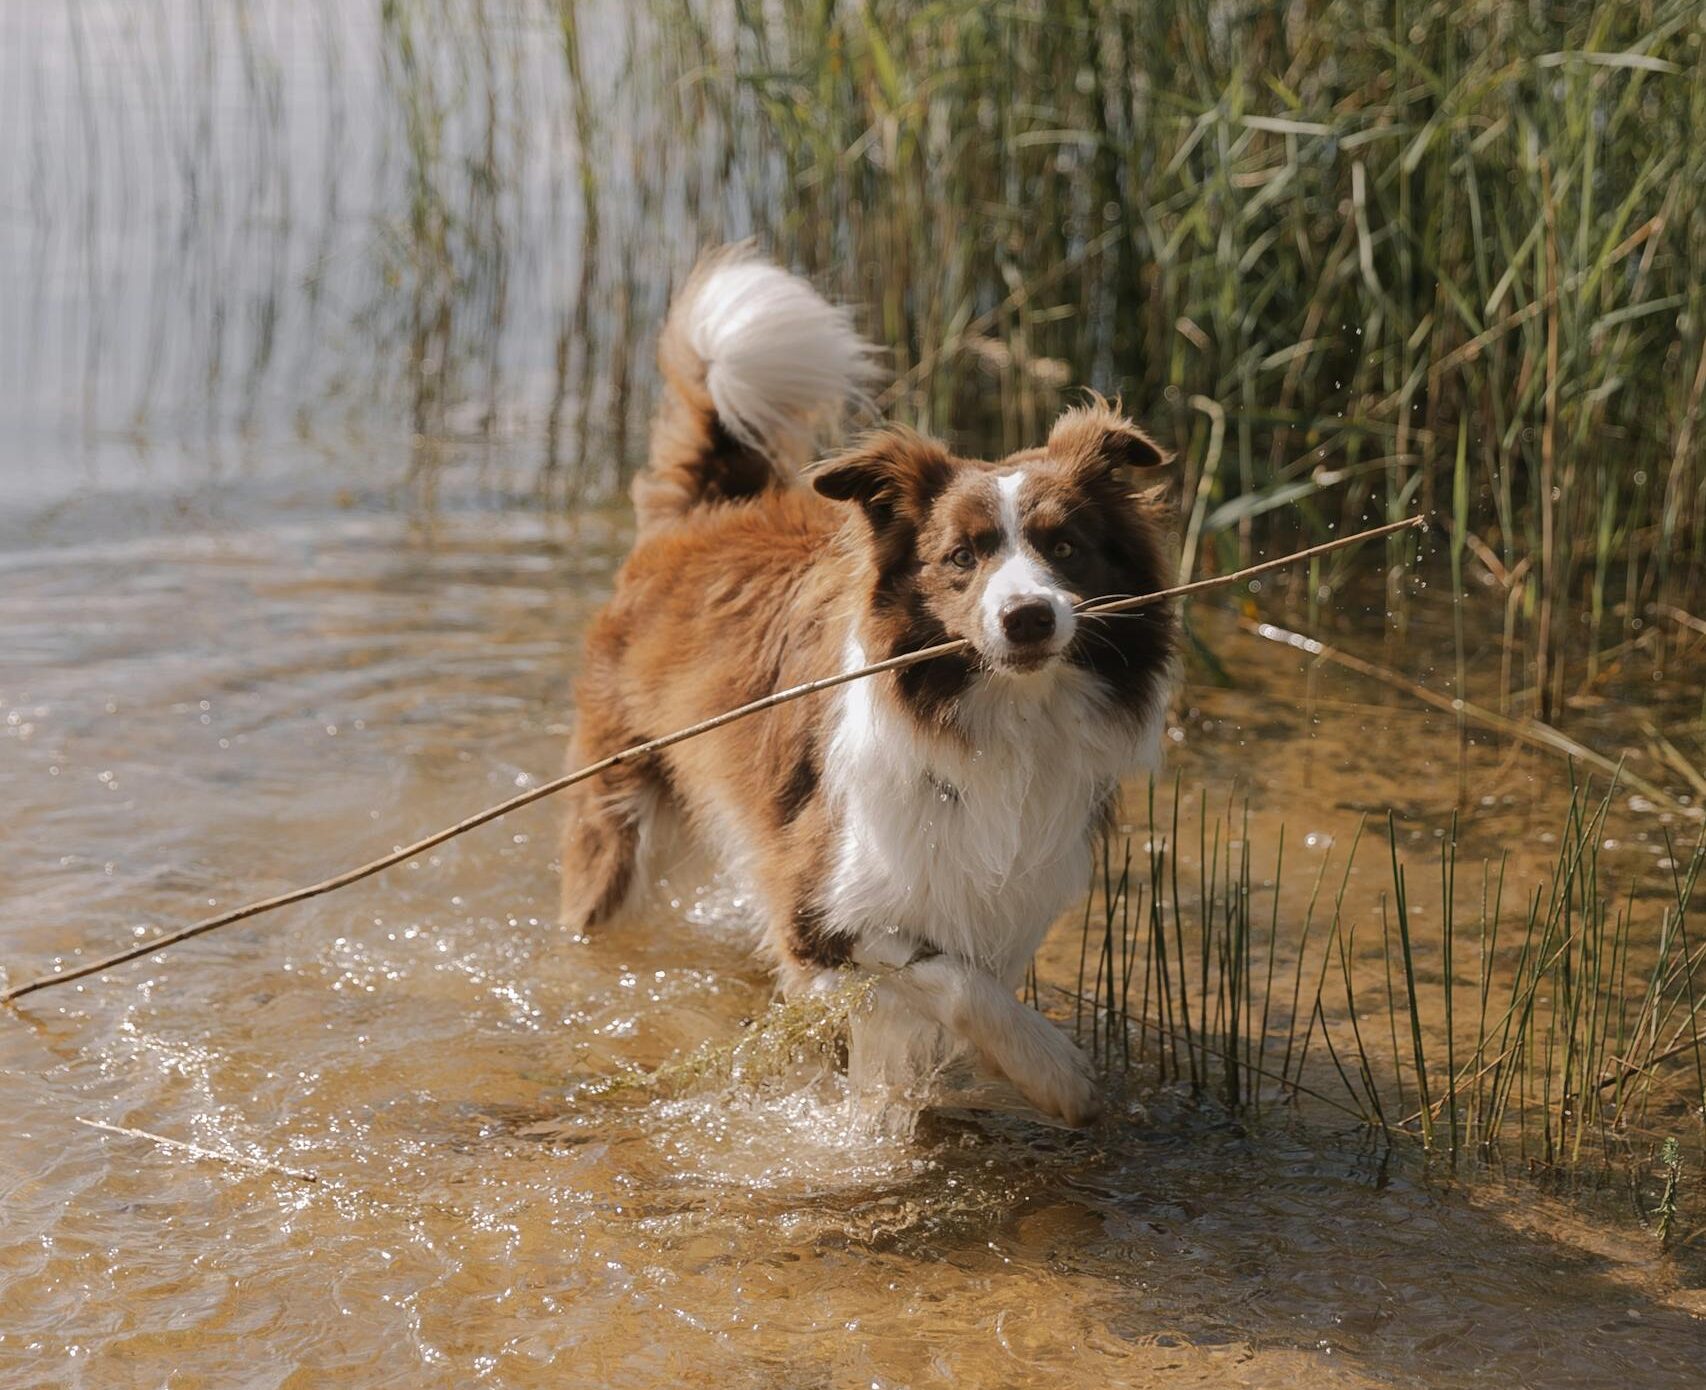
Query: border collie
[[928, 824]]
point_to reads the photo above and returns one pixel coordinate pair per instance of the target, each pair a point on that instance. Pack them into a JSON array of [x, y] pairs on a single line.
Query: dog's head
[[1002, 554]]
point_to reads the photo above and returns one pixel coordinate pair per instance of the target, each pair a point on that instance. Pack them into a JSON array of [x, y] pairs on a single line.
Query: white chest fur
[[974, 845]]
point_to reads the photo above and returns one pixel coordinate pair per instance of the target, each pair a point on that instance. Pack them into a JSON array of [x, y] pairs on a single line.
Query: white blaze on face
[[1021, 574]]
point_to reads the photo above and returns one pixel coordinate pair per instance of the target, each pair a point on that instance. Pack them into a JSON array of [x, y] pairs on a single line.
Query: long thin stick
[[1530, 731], [641, 750]]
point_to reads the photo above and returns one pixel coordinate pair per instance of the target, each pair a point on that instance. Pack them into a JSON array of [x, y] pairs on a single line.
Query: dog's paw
[[1071, 1094], [1054, 1075]]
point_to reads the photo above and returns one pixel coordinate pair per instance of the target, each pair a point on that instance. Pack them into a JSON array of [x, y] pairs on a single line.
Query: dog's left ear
[[1097, 438], [885, 471]]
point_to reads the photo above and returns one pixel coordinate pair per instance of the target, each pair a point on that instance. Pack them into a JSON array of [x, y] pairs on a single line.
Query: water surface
[[308, 350], [224, 697]]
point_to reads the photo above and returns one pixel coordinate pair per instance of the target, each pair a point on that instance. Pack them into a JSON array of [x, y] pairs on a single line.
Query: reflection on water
[[218, 709], [310, 307], [229, 225]]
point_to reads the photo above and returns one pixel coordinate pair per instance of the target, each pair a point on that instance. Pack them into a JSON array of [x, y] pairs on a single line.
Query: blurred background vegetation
[[1349, 259]]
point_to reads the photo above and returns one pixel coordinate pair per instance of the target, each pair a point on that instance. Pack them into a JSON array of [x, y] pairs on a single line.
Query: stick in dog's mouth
[[359, 872]]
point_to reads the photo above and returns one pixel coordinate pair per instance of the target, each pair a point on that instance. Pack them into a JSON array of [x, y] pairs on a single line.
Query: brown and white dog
[[927, 824]]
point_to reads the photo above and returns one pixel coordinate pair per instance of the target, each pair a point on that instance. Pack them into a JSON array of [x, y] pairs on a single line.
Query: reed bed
[[1348, 258], [1555, 1026]]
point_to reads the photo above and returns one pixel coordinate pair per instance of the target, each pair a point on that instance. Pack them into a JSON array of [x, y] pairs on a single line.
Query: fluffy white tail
[[779, 358], [755, 364]]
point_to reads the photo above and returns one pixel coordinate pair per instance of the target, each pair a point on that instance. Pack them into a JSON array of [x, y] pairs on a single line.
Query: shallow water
[[299, 290], [225, 691]]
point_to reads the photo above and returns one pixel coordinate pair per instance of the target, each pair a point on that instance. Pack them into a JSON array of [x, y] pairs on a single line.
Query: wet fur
[[929, 823]]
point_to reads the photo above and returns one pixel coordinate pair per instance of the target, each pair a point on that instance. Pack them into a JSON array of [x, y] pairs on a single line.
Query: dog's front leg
[[942, 992]]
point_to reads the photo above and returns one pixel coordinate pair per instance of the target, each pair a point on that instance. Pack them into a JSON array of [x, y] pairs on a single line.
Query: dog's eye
[[962, 558], [1062, 550]]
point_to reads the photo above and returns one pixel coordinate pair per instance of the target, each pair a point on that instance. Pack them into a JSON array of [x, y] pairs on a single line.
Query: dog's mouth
[[1026, 633], [1023, 661]]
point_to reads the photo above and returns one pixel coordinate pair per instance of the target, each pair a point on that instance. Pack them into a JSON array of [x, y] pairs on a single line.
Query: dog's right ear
[[884, 471]]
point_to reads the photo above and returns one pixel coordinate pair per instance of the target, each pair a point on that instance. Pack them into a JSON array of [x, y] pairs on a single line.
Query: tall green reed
[[1438, 255], [1347, 258], [1582, 1046]]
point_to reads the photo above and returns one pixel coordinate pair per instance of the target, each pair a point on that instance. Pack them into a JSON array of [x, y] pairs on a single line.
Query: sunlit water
[[243, 643], [211, 699]]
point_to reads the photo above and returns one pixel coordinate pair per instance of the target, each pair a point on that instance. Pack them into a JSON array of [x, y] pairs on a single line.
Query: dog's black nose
[[1027, 620]]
